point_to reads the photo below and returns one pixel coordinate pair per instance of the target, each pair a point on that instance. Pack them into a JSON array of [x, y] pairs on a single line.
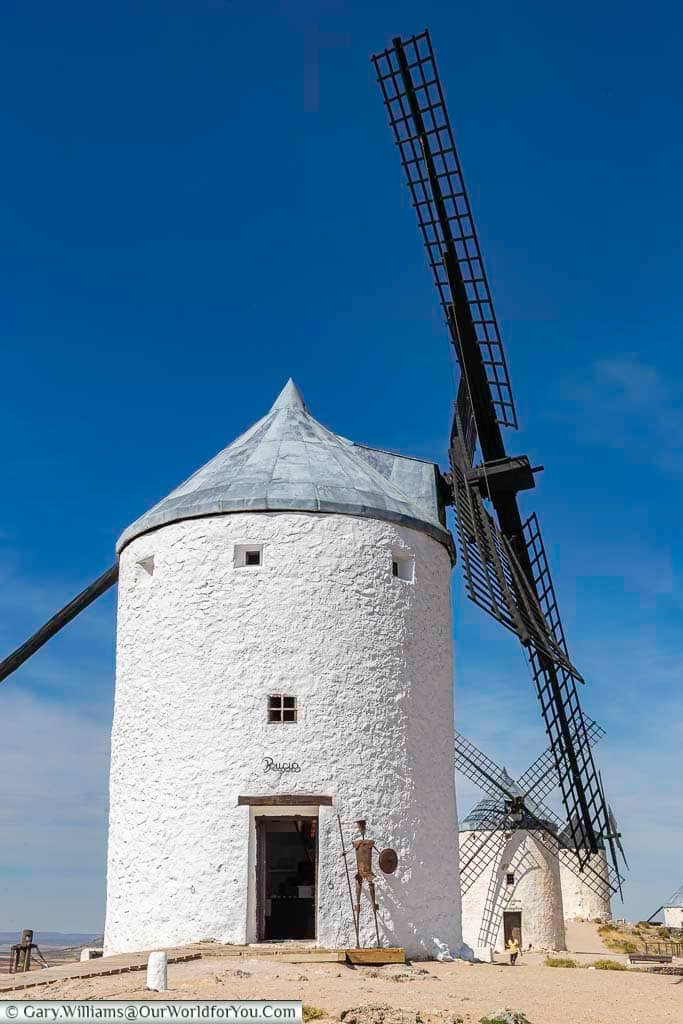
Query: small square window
[[403, 567], [248, 555], [510, 878], [281, 708]]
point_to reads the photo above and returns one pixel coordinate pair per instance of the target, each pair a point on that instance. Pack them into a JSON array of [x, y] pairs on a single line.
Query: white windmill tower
[[511, 879], [284, 656], [520, 873], [673, 910]]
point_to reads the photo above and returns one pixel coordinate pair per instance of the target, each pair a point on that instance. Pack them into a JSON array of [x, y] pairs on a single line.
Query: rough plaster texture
[[578, 899], [536, 893], [200, 646]]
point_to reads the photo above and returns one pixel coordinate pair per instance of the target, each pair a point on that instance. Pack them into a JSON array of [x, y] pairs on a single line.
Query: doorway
[[286, 877], [512, 926]]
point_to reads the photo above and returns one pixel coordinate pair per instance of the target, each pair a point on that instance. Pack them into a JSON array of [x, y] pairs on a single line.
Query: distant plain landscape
[[56, 940]]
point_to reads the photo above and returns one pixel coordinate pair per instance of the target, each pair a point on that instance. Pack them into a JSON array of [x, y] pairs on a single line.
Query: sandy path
[[547, 995], [582, 937]]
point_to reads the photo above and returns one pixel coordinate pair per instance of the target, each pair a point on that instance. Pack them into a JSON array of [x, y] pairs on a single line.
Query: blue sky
[[199, 199]]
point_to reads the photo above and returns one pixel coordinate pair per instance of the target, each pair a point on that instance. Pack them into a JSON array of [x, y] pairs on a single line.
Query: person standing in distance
[[513, 949]]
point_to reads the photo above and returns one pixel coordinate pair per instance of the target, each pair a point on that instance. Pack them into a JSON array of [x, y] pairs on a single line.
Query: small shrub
[[608, 965], [505, 1017], [559, 961], [623, 945], [312, 1013], [619, 940]]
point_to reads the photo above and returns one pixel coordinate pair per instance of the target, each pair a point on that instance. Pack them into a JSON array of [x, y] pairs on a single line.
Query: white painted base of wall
[[673, 917]]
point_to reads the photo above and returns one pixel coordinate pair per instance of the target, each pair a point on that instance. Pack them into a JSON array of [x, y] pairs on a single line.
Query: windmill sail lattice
[[493, 575], [492, 817], [504, 564], [419, 120], [540, 778]]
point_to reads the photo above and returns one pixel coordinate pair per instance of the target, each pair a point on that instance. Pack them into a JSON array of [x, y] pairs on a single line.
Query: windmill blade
[[414, 100], [464, 421], [480, 769], [469, 846], [475, 765], [503, 582], [555, 835], [607, 834], [614, 829], [543, 584], [482, 845], [493, 576], [493, 829], [602, 883], [86, 597], [488, 849], [603, 880], [578, 778], [488, 816], [541, 777], [548, 829], [498, 567]]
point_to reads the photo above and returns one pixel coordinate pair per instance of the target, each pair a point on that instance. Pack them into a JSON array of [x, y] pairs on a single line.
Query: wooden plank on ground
[[222, 951], [389, 955], [335, 956]]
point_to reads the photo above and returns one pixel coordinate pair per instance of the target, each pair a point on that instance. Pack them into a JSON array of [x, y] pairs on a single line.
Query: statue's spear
[[348, 880]]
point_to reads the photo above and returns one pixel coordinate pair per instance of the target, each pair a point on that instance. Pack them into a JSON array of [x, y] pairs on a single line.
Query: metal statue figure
[[363, 849]]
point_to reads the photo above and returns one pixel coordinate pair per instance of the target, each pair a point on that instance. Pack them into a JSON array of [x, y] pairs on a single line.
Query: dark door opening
[[512, 926], [286, 877]]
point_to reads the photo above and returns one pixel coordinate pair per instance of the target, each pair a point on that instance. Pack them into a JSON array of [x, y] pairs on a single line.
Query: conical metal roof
[[676, 900], [490, 814], [289, 462]]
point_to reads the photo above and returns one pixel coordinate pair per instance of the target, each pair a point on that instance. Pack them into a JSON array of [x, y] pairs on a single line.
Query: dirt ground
[[582, 938], [440, 992]]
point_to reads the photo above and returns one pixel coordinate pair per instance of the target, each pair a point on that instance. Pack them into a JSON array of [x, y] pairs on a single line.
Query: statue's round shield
[[388, 861]]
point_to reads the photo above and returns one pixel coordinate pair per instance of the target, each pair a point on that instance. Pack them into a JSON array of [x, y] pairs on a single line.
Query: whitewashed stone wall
[[536, 893], [579, 900], [673, 917], [200, 646]]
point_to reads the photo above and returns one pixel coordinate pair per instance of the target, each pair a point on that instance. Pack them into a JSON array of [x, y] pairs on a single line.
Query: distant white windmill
[[673, 910], [520, 875]]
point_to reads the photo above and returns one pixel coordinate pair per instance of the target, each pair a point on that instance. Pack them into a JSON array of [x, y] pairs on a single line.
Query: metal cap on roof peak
[[287, 461], [289, 398]]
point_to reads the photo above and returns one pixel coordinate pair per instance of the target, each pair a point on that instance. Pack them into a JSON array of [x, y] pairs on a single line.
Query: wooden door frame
[[508, 914], [260, 868]]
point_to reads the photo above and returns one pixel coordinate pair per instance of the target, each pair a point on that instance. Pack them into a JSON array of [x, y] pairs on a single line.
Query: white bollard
[[157, 972]]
